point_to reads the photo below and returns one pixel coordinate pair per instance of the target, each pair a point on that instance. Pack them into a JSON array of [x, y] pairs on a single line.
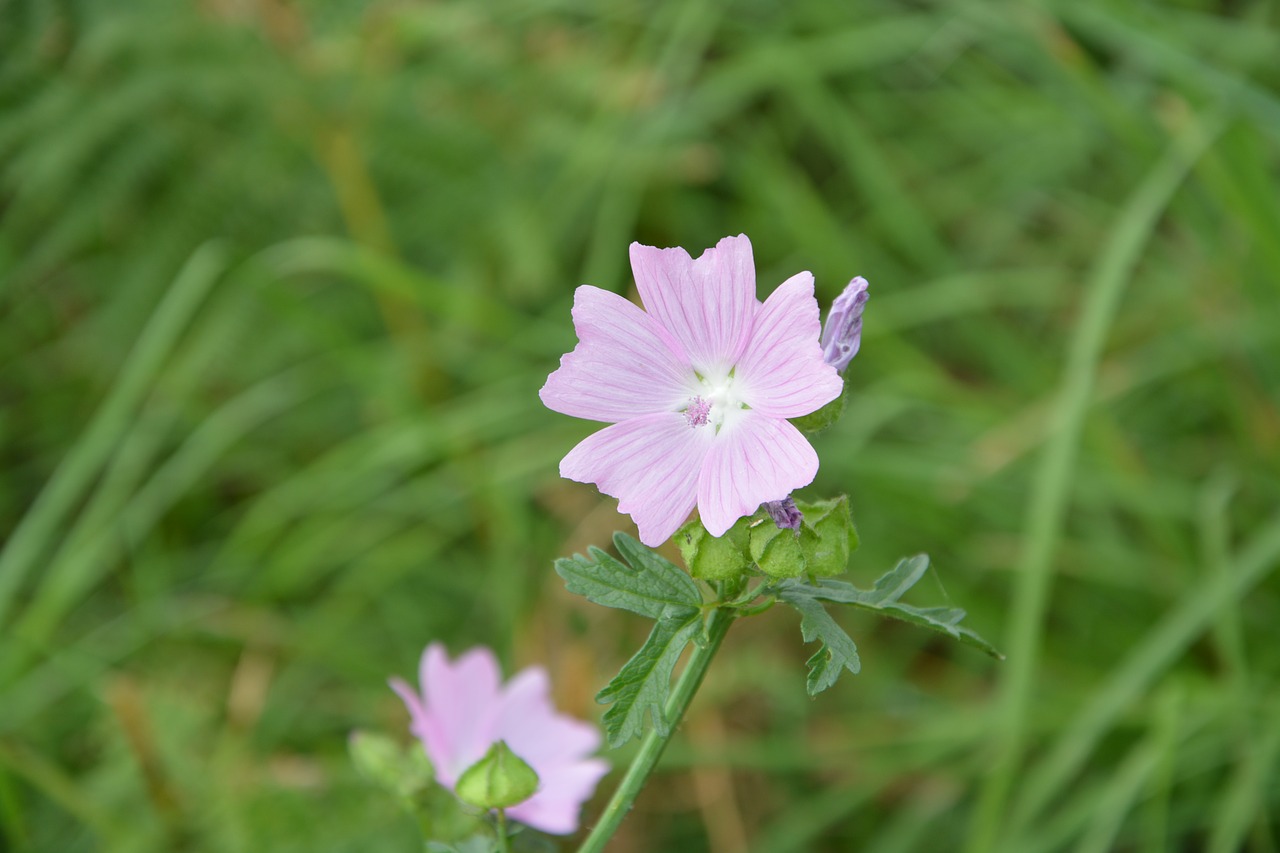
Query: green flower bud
[[715, 558], [498, 781], [821, 547]]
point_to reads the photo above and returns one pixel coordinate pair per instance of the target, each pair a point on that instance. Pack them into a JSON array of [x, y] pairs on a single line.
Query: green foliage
[[644, 683], [500, 780], [652, 586], [883, 599], [837, 651], [406, 773]]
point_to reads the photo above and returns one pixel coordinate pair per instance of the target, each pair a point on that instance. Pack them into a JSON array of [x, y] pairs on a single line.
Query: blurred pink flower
[[463, 709], [698, 388]]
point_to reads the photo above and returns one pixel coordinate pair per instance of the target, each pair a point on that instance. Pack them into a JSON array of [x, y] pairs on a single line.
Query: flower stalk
[[653, 744], [504, 840]]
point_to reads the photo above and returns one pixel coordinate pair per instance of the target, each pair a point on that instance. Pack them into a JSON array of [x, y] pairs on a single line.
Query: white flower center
[[716, 400]]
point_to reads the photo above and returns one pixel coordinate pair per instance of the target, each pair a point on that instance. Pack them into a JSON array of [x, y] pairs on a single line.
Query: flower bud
[[820, 547], [715, 558], [842, 335], [785, 514], [498, 781]]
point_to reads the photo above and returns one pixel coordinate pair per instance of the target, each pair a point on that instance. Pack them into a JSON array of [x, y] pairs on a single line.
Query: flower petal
[[650, 464], [556, 746], [535, 731], [625, 363], [757, 459], [461, 704], [412, 701], [707, 304], [556, 807], [782, 370]]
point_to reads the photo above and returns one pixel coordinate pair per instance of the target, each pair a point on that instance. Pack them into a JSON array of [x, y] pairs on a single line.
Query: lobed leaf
[[645, 681], [884, 597], [651, 586], [837, 652]]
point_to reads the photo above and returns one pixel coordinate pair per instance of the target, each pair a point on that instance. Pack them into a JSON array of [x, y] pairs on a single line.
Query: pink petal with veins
[[759, 459], [650, 464], [625, 363], [782, 369], [707, 304]]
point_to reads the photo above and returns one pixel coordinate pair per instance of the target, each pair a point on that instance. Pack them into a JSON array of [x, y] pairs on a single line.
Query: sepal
[[820, 548], [716, 558]]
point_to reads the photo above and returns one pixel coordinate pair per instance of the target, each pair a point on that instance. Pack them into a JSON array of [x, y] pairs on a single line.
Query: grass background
[[279, 283]]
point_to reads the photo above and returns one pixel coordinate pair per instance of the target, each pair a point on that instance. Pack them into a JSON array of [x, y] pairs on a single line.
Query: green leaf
[[645, 681], [500, 780], [820, 547], [884, 597], [405, 772], [837, 652], [653, 587]]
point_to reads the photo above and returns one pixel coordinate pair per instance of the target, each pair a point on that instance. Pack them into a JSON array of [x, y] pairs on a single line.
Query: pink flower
[[698, 388], [464, 709]]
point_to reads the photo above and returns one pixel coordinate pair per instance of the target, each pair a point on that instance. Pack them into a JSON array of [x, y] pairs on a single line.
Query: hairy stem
[[653, 744]]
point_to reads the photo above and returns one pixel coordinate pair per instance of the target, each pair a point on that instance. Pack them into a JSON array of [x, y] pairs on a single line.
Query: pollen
[[698, 413]]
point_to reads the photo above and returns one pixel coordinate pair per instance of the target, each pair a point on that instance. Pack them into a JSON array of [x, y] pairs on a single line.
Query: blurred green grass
[[280, 281]]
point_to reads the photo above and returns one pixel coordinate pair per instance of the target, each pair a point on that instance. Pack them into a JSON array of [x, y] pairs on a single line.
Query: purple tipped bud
[[784, 513], [842, 334]]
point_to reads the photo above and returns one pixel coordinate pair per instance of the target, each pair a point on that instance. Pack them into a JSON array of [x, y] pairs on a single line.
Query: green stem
[[504, 841], [653, 744]]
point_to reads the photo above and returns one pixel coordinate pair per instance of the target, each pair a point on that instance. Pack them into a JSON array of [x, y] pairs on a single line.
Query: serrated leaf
[[888, 588], [884, 600], [653, 586], [891, 586], [837, 651], [947, 625], [644, 683]]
